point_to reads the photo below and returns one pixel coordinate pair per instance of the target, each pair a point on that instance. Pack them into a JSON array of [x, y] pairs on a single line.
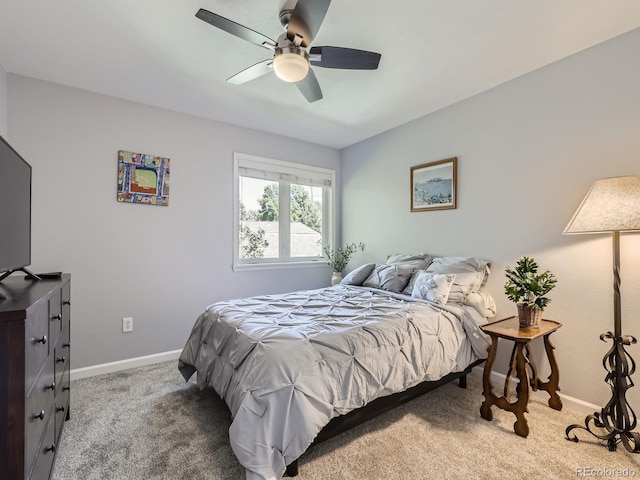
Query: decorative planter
[[529, 317], [336, 278]]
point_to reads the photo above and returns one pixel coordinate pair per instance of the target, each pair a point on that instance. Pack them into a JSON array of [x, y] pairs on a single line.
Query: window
[[284, 212]]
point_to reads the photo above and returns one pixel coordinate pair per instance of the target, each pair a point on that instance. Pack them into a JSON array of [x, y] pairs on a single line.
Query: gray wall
[[528, 152], [161, 265], [4, 116]]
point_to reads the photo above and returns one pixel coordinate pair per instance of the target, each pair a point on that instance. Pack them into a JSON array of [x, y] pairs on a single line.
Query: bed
[[293, 367]]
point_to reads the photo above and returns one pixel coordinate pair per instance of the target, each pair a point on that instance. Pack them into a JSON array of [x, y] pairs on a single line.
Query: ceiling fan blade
[[254, 71], [310, 88], [236, 29], [348, 58], [305, 21]]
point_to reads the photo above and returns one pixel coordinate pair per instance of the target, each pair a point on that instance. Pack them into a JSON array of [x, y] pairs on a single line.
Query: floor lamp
[[612, 206]]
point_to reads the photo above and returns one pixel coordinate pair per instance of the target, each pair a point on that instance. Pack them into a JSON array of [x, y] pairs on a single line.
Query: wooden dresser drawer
[[37, 342], [66, 305], [61, 355], [62, 404], [38, 408], [41, 468], [55, 317]]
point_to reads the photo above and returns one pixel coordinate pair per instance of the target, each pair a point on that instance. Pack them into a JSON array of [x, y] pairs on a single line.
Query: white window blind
[[276, 171]]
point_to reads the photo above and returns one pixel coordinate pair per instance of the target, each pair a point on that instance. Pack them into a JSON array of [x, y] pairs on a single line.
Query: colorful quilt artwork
[[143, 178]]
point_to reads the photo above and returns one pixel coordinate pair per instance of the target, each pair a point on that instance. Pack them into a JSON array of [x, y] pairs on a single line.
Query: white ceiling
[[434, 53]]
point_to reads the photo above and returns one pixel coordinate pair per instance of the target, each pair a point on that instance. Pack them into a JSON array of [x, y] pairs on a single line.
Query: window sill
[[242, 267]]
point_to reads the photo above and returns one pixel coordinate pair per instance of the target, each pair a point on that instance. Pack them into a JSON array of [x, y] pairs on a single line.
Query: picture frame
[[143, 179], [434, 185]]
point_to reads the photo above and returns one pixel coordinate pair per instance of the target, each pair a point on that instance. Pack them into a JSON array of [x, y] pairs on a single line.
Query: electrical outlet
[[127, 324]]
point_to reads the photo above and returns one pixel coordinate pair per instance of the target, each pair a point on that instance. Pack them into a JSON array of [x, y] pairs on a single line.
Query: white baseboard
[[542, 396], [78, 373], [498, 378]]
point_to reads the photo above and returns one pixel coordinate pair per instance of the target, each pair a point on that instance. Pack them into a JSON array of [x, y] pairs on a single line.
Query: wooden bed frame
[[342, 423]]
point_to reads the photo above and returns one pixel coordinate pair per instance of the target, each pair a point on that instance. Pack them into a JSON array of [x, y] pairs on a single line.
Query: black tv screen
[[15, 209]]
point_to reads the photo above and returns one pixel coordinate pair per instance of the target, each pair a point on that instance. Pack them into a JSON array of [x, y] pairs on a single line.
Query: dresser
[[34, 374]]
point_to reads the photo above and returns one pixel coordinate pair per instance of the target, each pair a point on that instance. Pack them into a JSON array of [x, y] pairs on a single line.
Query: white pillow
[[464, 284], [471, 263], [483, 303], [460, 265], [433, 287], [408, 290]]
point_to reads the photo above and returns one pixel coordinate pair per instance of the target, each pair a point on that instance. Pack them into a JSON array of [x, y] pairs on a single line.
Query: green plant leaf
[[525, 285]]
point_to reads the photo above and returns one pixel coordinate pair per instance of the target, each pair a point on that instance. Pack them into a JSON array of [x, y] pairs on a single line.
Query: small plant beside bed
[[339, 258], [528, 289]]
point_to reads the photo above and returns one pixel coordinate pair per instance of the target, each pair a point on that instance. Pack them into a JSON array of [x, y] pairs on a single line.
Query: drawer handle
[[42, 340], [67, 302], [66, 389], [56, 317], [66, 345], [51, 387], [60, 409], [61, 360], [39, 415], [52, 448]]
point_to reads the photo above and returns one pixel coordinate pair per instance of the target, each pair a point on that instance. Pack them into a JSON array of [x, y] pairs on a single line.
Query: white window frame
[[282, 171]]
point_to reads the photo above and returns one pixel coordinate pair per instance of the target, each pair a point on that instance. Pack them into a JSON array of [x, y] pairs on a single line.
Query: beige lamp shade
[[611, 205]]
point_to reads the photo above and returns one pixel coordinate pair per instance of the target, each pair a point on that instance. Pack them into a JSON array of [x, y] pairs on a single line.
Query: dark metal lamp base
[[616, 418]]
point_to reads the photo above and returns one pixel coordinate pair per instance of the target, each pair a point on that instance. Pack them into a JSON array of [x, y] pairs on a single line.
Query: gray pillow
[[408, 290], [418, 261], [389, 277], [358, 275]]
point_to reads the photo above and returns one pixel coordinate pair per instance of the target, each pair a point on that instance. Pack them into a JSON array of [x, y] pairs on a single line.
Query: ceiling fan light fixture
[[291, 64]]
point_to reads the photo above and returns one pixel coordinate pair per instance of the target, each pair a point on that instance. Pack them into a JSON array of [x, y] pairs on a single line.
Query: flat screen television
[[15, 212]]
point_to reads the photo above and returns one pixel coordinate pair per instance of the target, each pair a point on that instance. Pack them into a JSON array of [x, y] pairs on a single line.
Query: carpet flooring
[[147, 423]]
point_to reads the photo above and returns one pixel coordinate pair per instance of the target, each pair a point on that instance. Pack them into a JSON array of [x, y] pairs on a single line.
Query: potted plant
[[339, 258], [528, 289]]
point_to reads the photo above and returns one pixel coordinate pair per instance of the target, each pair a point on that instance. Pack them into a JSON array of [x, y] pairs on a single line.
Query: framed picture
[[433, 185], [143, 178]]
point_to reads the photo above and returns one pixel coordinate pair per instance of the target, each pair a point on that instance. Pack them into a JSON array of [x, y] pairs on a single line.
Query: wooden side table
[[521, 362]]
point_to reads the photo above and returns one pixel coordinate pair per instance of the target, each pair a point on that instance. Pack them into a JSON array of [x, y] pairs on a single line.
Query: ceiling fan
[[291, 56]]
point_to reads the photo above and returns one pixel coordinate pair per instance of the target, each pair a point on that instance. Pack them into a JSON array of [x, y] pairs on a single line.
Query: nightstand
[[521, 364]]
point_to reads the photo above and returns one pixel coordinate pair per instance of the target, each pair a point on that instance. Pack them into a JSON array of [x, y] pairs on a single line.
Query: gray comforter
[[286, 364]]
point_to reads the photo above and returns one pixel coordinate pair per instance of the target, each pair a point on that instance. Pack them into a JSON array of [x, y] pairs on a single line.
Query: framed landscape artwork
[[433, 185]]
